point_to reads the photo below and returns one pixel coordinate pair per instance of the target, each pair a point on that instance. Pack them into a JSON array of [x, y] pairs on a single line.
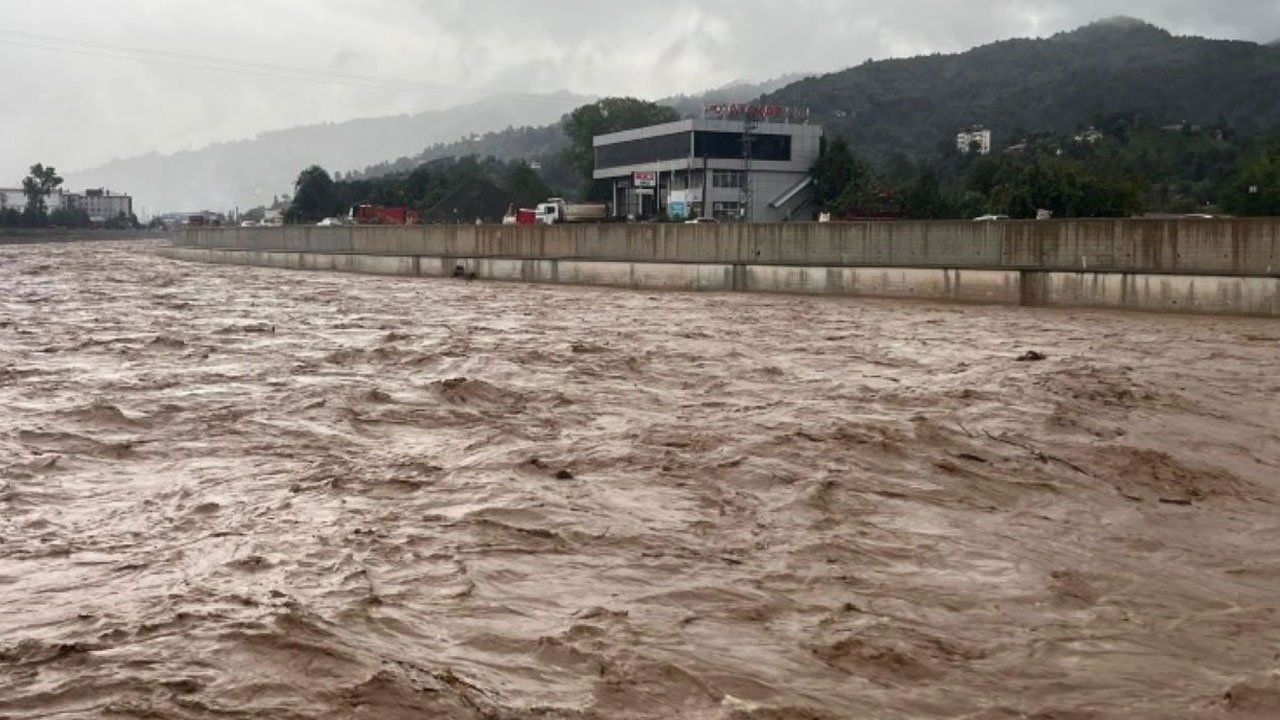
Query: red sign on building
[[644, 179]]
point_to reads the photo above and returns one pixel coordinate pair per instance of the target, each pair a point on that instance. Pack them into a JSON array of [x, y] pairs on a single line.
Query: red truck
[[522, 216], [383, 215]]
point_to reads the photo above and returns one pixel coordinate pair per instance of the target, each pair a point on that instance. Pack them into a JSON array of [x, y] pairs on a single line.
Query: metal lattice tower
[[749, 125]]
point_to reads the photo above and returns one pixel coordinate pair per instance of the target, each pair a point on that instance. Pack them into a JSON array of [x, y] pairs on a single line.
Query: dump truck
[[558, 210]]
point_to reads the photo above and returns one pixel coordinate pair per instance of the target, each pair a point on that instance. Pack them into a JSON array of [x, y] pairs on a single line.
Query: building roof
[[699, 124]]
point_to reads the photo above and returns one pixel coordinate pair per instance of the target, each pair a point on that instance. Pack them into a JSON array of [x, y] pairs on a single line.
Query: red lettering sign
[[644, 179]]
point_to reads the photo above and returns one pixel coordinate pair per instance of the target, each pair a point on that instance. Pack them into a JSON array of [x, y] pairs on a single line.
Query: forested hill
[[545, 143], [1058, 84]]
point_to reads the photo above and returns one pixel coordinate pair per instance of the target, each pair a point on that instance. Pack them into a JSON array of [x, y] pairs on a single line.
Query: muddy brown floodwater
[[245, 493]]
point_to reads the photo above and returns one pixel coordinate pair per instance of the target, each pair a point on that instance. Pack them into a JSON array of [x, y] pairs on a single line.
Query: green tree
[[924, 200], [69, 217], [1255, 190], [38, 186], [843, 182], [313, 198], [121, 222], [525, 186], [609, 115]]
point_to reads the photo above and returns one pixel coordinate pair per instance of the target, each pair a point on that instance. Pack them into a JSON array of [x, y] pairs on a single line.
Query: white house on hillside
[[979, 135]]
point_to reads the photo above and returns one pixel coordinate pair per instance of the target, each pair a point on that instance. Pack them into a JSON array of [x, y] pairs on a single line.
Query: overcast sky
[[73, 101]]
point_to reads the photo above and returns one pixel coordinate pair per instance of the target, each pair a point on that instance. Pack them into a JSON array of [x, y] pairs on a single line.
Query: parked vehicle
[[331, 222], [702, 221], [558, 210], [990, 218], [384, 215], [523, 216]]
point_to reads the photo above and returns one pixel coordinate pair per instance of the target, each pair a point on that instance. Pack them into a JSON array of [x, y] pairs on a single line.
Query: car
[[702, 221], [990, 218], [331, 222], [248, 223]]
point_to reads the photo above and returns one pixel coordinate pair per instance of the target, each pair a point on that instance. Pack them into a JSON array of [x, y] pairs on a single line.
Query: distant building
[[12, 198], [15, 198], [966, 140], [1091, 136], [101, 204], [697, 168]]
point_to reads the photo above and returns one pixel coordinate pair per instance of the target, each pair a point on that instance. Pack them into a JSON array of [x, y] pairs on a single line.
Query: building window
[[641, 152], [728, 146], [726, 210], [728, 179]]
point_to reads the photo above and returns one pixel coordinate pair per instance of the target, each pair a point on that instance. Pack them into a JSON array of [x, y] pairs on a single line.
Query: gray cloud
[[76, 109]]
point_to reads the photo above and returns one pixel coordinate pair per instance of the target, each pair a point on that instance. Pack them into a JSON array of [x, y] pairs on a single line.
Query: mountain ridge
[[1060, 83], [901, 106]]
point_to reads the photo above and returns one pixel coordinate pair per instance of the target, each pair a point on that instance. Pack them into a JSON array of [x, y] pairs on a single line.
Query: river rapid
[[232, 492]]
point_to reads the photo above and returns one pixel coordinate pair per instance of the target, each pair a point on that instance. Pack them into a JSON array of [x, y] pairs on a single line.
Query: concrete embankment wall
[[1213, 266], [1179, 293], [1222, 247]]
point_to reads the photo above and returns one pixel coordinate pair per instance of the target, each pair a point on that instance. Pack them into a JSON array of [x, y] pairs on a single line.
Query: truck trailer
[[557, 210]]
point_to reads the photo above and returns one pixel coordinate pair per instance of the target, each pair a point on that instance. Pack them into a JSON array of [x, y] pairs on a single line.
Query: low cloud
[[79, 105]]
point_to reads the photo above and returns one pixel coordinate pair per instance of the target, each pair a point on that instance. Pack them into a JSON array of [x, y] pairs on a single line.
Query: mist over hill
[[909, 107], [248, 173]]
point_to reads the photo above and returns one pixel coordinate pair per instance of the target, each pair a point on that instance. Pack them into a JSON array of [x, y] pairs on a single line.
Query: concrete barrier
[[1218, 294], [1225, 247]]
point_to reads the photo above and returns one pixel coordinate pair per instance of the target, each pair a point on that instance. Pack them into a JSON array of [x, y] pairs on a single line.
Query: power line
[[17, 38]]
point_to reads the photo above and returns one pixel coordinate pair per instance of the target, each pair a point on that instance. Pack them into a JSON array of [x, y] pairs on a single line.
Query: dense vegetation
[[1120, 169], [468, 188], [449, 190]]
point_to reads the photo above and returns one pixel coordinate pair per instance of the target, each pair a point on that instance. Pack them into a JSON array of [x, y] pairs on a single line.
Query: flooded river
[[234, 492]]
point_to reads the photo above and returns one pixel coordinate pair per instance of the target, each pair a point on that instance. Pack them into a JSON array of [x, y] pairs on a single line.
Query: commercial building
[[756, 168]]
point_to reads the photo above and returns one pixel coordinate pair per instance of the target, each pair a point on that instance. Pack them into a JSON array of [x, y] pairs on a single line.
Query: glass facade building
[[702, 169]]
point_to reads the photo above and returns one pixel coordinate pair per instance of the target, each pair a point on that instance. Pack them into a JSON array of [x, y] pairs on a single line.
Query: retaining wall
[[1227, 247], [1221, 294]]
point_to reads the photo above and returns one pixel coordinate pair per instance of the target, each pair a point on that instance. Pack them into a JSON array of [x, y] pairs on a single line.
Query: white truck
[[558, 210]]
